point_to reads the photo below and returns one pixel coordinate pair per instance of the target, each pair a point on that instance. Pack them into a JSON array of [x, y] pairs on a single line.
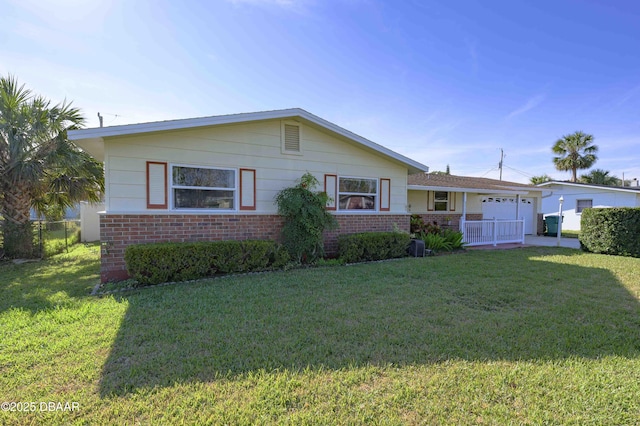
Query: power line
[[525, 174], [491, 170]]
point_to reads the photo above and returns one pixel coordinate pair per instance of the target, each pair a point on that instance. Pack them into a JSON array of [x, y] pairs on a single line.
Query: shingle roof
[[467, 182]]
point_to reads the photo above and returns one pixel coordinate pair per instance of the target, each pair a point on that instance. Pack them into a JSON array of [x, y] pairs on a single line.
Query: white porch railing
[[492, 231]]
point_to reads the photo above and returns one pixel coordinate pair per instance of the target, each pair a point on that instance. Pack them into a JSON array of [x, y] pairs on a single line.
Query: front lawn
[[523, 336]]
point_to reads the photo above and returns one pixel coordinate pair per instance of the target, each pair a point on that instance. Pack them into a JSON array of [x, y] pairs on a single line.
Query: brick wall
[[351, 224], [441, 219], [119, 231]]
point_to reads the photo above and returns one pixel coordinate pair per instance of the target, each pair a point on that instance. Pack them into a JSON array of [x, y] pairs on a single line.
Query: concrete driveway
[[533, 240]]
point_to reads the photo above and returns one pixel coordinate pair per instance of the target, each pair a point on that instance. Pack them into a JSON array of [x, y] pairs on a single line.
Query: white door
[[505, 208]]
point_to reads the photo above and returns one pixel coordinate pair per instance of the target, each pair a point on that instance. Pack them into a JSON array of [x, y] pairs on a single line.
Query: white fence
[[494, 231]]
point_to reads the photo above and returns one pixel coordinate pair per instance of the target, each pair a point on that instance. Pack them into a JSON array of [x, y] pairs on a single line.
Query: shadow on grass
[[42, 285], [526, 304]]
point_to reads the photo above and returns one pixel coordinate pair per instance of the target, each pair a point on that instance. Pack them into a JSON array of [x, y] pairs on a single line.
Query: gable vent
[[291, 138]]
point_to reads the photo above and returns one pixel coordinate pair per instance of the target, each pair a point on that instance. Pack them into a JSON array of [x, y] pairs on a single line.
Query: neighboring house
[[70, 213], [215, 178], [442, 198], [579, 196], [90, 221]]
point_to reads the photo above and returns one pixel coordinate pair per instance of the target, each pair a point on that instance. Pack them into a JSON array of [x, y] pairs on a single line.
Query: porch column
[[463, 219], [518, 207]]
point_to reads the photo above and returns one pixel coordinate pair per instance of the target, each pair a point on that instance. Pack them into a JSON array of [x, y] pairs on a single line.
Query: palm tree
[[600, 177], [38, 165], [575, 151], [535, 180]]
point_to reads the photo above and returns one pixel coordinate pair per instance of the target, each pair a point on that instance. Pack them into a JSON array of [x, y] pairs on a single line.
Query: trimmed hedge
[[164, 262], [368, 246], [614, 230]]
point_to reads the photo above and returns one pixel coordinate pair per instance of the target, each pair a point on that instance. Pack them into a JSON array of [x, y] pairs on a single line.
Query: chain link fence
[[50, 238]]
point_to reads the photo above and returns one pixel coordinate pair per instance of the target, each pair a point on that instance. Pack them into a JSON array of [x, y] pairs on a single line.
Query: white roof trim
[[486, 191], [586, 185], [159, 126]]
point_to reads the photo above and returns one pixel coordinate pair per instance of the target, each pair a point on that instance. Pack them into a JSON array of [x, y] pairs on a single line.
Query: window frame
[[436, 201], [235, 189], [376, 195], [580, 209]]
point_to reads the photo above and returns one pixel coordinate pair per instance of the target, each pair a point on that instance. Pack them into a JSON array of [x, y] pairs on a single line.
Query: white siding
[[602, 197], [248, 145], [418, 202]]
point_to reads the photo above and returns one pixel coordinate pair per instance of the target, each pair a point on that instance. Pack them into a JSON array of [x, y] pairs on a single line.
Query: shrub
[[419, 226], [162, 262], [454, 238], [305, 219], [368, 246], [416, 223], [435, 242], [436, 239], [611, 231]]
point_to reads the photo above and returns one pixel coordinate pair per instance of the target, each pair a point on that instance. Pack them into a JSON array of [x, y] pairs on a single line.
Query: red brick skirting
[[118, 231], [441, 219], [351, 224]]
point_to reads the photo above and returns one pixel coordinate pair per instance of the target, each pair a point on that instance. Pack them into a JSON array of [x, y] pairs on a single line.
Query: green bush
[[611, 231], [453, 238], [305, 219], [435, 242], [163, 262], [441, 239], [372, 246]]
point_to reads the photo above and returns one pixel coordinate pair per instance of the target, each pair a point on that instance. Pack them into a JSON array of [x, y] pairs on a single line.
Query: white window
[[357, 193], [441, 201], [204, 188], [583, 204]]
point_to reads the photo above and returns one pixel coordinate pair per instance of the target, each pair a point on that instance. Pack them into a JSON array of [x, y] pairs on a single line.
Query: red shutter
[[385, 195], [157, 185], [331, 188], [247, 189]]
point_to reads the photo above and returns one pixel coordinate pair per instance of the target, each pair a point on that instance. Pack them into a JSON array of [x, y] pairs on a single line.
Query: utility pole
[[100, 118], [500, 163]]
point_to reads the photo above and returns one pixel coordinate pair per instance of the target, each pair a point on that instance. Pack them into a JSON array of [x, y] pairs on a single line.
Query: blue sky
[[442, 82]]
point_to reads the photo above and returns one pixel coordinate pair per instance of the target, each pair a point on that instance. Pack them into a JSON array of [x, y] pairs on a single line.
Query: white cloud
[[529, 105], [628, 95], [473, 54]]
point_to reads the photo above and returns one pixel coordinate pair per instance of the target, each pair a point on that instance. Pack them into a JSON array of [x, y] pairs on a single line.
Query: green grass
[[55, 240], [570, 234], [523, 336]]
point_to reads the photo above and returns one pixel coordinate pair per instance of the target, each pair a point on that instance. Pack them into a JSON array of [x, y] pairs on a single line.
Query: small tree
[[600, 177], [535, 180], [305, 219], [39, 166]]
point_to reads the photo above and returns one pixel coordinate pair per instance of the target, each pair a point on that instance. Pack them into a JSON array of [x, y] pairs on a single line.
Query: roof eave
[[99, 133], [586, 185], [485, 191]]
